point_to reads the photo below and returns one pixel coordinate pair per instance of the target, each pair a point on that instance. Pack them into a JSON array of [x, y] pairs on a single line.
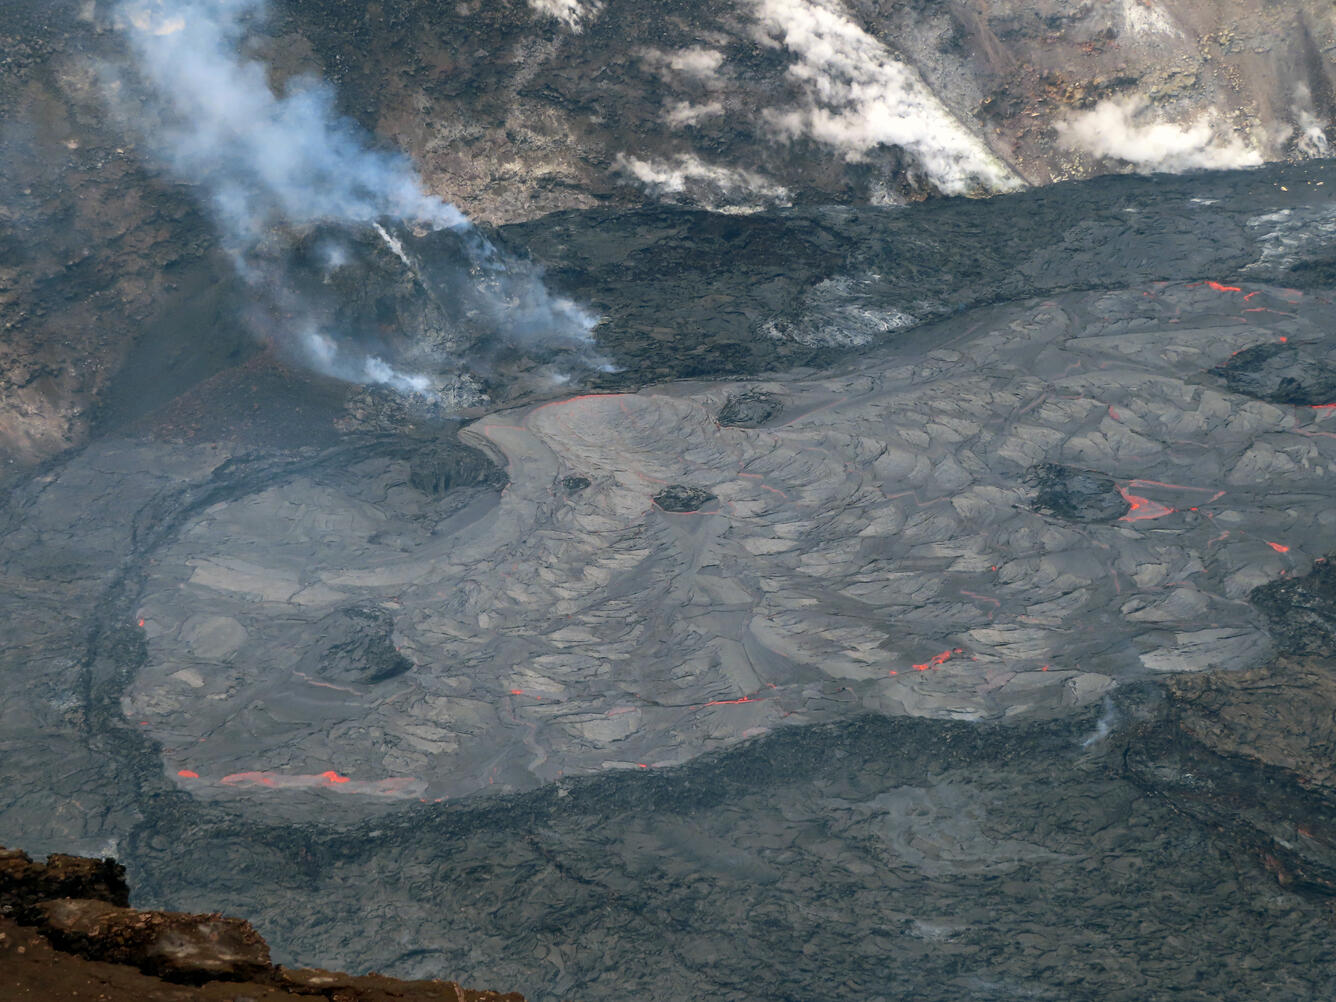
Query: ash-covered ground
[[820, 650]]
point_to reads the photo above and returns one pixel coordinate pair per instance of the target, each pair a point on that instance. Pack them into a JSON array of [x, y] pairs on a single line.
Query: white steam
[[697, 69], [571, 13], [263, 159], [859, 97], [681, 113], [688, 177], [701, 63], [1145, 17], [1311, 138], [698, 64], [395, 245], [1128, 129], [327, 357]]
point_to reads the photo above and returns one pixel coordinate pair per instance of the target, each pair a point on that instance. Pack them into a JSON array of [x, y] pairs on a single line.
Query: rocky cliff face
[[518, 109], [514, 109]]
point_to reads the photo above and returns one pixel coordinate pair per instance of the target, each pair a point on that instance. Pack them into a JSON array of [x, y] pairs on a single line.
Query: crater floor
[[874, 546]]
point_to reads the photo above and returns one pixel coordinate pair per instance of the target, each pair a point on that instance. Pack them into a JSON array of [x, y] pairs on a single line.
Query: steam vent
[[604, 501]]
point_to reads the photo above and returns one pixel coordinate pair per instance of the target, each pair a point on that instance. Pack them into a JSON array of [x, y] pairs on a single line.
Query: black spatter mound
[[446, 465], [1076, 495], [1281, 374], [680, 498], [574, 484], [1301, 612], [750, 410], [356, 645]]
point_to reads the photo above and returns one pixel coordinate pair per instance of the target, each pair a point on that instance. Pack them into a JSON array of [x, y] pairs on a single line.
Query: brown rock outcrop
[[73, 905]]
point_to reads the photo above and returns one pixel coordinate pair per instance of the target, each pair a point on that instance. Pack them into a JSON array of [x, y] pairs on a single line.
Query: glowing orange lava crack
[[1142, 508], [391, 787], [937, 660]]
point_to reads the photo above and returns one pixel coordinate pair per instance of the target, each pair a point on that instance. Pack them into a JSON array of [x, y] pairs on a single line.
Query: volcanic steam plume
[[298, 190]]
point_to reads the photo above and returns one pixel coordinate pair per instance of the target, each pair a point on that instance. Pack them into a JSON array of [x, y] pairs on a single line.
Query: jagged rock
[[449, 465], [679, 498], [1301, 611], [133, 955], [1280, 373], [175, 946], [1250, 753], [60, 876], [573, 485], [1076, 495], [356, 645], [750, 410]]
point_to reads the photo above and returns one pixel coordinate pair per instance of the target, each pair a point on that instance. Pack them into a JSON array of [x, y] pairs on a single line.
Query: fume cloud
[[263, 160], [1310, 135], [696, 63], [1145, 17], [681, 113], [859, 97], [571, 13], [705, 184], [1128, 129]]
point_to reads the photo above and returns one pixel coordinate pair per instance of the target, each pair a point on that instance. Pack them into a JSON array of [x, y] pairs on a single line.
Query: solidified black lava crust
[[1301, 612], [1075, 495], [680, 498], [750, 410], [1281, 374]]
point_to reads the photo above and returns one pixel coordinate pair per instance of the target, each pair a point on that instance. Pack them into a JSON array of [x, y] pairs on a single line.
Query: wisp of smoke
[[1103, 726], [265, 159]]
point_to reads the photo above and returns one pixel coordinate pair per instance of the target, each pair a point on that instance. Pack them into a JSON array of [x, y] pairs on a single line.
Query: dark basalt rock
[[1076, 495], [1318, 272], [356, 645], [750, 410], [573, 484], [680, 498], [1225, 758], [1281, 374], [445, 466], [1301, 612]]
